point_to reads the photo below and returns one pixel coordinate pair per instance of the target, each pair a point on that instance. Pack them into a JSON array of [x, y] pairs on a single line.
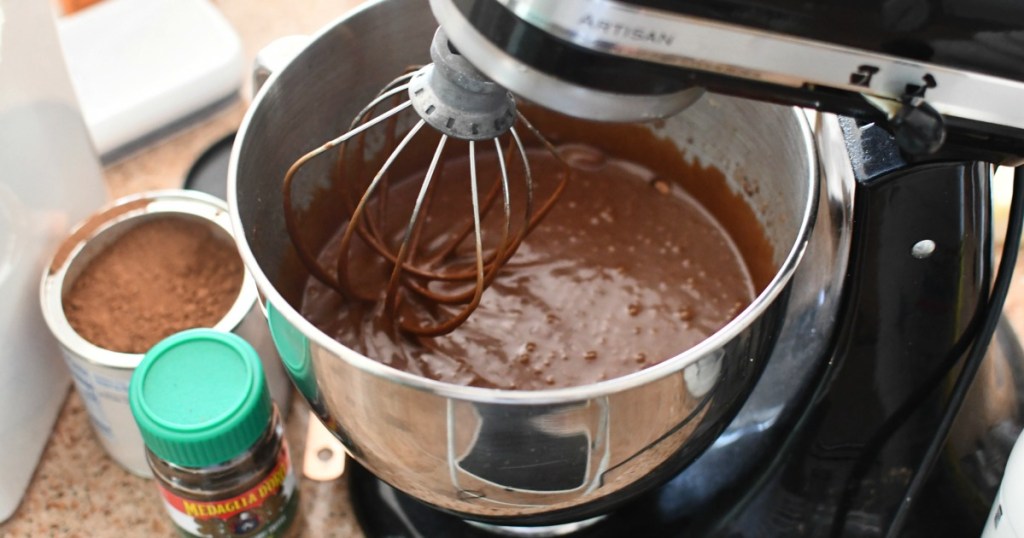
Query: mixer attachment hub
[[457, 99]]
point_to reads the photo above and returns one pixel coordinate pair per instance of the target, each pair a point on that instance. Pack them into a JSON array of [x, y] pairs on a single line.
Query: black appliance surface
[[984, 36], [209, 173]]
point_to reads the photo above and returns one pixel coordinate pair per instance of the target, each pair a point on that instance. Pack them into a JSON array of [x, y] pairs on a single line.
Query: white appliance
[[1004, 520], [50, 178], [144, 68]]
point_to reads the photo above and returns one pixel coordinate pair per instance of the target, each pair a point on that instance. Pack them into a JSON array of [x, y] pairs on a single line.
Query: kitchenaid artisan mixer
[[844, 397]]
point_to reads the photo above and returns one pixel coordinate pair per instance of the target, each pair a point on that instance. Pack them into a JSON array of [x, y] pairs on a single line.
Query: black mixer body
[[914, 65], [908, 321], [931, 91]]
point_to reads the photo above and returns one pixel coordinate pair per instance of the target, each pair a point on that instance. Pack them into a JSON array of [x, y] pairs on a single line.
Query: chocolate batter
[[626, 271]]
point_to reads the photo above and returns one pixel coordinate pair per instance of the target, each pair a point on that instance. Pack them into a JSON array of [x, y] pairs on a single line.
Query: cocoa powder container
[[102, 361]]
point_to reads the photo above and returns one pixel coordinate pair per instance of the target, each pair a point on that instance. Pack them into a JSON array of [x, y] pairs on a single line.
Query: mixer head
[[939, 79], [436, 277]]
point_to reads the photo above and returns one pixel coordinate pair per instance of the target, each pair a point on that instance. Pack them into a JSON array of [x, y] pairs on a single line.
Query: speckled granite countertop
[[77, 490]]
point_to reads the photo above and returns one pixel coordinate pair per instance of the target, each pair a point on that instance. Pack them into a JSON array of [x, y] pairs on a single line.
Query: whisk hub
[[457, 99]]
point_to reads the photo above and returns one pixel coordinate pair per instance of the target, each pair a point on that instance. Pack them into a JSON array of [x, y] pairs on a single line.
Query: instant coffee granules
[[159, 278]]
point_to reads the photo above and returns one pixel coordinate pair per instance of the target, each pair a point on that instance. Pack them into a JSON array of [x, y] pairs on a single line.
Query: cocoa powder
[[159, 278]]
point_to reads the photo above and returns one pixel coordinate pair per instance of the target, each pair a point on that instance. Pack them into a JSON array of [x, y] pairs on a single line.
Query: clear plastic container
[[50, 178]]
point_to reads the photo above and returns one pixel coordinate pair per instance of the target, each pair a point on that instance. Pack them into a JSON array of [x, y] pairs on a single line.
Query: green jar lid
[[200, 398]]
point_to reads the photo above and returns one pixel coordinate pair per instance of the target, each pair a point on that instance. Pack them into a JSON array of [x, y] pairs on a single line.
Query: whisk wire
[[491, 263], [459, 236], [478, 289], [430, 290], [357, 215], [559, 187], [291, 218], [390, 91], [414, 219]]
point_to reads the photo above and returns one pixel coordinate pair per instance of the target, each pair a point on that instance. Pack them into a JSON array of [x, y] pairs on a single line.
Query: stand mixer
[[823, 407]]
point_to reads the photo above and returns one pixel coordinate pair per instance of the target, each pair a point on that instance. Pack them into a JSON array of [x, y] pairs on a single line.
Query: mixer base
[[383, 511]]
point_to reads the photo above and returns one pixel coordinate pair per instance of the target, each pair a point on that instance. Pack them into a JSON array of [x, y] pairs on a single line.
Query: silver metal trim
[[619, 29], [550, 91]]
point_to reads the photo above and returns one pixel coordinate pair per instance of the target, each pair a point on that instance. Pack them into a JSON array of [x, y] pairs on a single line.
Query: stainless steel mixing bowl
[[511, 457]]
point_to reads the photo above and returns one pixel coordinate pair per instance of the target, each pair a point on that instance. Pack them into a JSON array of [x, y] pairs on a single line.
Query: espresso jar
[[214, 439]]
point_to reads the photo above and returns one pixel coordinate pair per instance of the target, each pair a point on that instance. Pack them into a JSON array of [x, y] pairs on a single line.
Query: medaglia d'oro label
[[264, 510]]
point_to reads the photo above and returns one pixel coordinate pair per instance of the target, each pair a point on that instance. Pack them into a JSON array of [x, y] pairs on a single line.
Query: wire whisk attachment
[[435, 252]]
